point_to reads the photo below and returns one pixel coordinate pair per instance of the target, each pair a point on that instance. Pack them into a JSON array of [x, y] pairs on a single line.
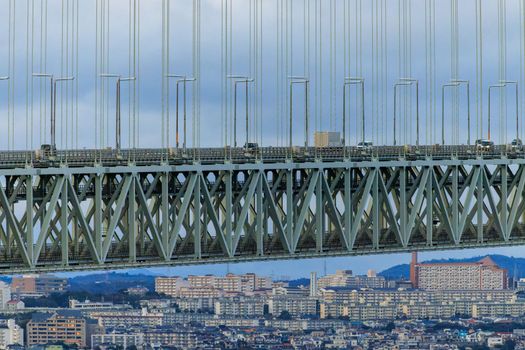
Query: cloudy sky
[[325, 41]]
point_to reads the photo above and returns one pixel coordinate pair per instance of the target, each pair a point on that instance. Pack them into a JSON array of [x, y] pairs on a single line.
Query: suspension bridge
[[105, 106]]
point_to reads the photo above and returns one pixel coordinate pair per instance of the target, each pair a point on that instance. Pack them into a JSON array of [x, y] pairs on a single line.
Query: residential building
[[15, 305], [199, 292], [313, 284], [10, 334], [122, 340], [231, 283], [195, 304], [5, 295], [91, 305], [494, 309], [67, 326], [126, 318], [295, 305], [38, 284], [285, 290], [480, 275], [180, 339], [520, 284], [169, 285], [240, 306], [345, 278]]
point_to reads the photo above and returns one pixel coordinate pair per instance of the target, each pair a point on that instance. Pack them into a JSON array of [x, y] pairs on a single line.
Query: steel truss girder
[[89, 218]]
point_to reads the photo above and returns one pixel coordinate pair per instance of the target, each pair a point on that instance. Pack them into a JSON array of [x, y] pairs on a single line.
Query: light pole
[[354, 81], [181, 79], [118, 122], [53, 82], [239, 79], [407, 82], [503, 84], [454, 83], [306, 82]]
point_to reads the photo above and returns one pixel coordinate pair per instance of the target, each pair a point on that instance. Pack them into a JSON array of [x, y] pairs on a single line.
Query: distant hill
[[109, 283], [507, 262]]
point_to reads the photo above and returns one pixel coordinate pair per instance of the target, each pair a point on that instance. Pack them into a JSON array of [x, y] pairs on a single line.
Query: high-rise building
[[10, 334], [313, 284], [5, 295], [480, 275]]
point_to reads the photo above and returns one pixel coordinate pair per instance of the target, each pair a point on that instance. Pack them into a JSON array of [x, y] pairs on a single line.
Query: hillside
[[507, 262], [109, 283]]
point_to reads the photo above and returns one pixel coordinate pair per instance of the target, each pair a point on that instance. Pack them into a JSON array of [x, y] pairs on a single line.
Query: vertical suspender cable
[[230, 64], [385, 60], [96, 78], [194, 73], [77, 18], [373, 64], [331, 64], [522, 60], [316, 67], [40, 68], [65, 126], [28, 31], [30, 73], [102, 70], [138, 82], [223, 75], [130, 56], [334, 73], [108, 45], [277, 75], [321, 94], [199, 67], [12, 72], [163, 74], [62, 31], [166, 72]]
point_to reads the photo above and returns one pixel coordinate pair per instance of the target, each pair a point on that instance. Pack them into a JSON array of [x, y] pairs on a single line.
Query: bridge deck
[[239, 155]]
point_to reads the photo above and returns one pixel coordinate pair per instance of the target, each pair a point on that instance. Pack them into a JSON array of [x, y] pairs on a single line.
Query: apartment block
[[38, 284], [169, 285], [240, 306], [67, 326], [121, 340], [480, 275], [346, 279], [126, 318], [293, 304]]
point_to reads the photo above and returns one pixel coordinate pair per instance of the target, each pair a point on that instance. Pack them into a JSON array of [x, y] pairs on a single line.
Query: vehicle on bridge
[[516, 145], [365, 145], [484, 145]]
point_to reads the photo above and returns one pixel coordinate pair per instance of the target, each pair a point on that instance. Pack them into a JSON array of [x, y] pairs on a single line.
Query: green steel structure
[[60, 218]]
